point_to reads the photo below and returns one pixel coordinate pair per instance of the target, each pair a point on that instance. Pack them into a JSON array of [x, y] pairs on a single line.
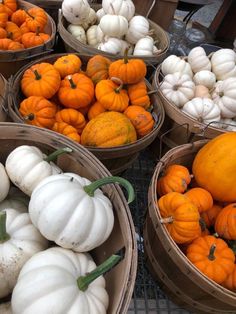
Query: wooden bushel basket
[[12, 61], [116, 159], [120, 280], [180, 279], [3, 96]]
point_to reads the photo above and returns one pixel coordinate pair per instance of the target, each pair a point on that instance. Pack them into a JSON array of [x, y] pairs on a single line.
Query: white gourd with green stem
[[73, 212]]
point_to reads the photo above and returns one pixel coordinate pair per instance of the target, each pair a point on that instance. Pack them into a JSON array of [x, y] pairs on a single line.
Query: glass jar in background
[[176, 32], [193, 37]]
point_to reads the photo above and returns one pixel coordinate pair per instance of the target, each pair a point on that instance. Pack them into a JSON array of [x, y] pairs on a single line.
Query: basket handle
[[150, 9]]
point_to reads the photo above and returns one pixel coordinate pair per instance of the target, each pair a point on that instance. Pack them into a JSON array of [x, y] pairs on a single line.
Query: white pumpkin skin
[[5, 308], [125, 8], [34, 293], [56, 209], [4, 183], [125, 45], [138, 28], [94, 35], [100, 13], [198, 60], [178, 88], [75, 11], [78, 32], [223, 64], [114, 25], [228, 124], [206, 78], [202, 109], [25, 240], [15, 199], [201, 91], [26, 167], [111, 45], [224, 96], [144, 47], [90, 20], [173, 64]]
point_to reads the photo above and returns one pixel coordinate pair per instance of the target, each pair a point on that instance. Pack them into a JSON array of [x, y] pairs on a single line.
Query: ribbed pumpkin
[[67, 130], [19, 17], [34, 39], [3, 33], [3, 16], [38, 111], [13, 31], [67, 65], [108, 129], [201, 198], [210, 215], [180, 216], [24, 29], [36, 19], [175, 178], [41, 79], [214, 167], [97, 68], [212, 257], [141, 119], [95, 110], [111, 95], [225, 224], [4, 43], [14, 45], [138, 94], [230, 281], [71, 117], [10, 6], [76, 91]]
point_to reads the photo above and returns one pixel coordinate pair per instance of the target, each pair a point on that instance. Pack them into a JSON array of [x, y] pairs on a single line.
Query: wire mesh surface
[[147, 296]]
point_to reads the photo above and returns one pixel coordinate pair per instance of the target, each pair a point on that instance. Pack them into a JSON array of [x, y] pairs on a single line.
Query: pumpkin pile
[[112, 29], [105, 105], [202, 86], [21, 29], [39, 203], [199, 209]]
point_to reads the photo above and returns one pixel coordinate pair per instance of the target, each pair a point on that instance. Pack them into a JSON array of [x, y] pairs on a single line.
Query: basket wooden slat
[[81, 161], [116, 159], [3, 96], [181, 280]]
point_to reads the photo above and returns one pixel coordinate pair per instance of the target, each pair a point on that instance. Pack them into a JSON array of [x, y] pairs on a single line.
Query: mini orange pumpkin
[[10, 6], [67, 130], [4, 43], [230, 281], [95, 110], [225, 224], [3, 33], [38, 111], [212, 257], [175, 178], [68, 64], [97, 68], [141, 119], [13, 31], [19, 17], [14, 45], [201, 198], [36, 19], [210, 215], [34, 39], [138, 94], [24, 29], [72, 117], [3, 16], [41, 79]]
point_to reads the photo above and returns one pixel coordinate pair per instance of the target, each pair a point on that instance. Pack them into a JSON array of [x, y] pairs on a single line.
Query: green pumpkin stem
[[202, 224], [117, 81], [92, 187], [58, 152], [211, 255], [126, 59], [37, 75], [83, 282], [29, 117], [4, 236], [72, 84]]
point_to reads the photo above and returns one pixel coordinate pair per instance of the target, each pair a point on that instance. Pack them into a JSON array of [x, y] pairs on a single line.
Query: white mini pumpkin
[[4, 183], [124, 46], [228, 124], [15, 199], [203, 110], [114, 25], [224, 96], [198, 60], [75, 11], [144, 47], [5, 308], [178, 88], [90, 20], [138, 28], [206, 78], [223, 63], [173, 64], [111, 45], [78, 32], [125, 8], [94, 35], [19, 240], [201, 91], [100, 13]]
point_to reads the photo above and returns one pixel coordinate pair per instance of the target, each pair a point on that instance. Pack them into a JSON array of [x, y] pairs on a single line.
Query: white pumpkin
[[178, 88], [94, 35], [4, 183], [125, 8], [5, 308], [124, 46], [138, 28], [206, 78], [224, 96], [173, 64], [90, 20], [100, 13], [112, 45], [223, 64], [26, 166], [228, 124], [75, 11], [114, 25], [201, 91], [15, 199], [198, 60], [203, 110], [78, 32], [19, 240], [144, 47], [54, 281]]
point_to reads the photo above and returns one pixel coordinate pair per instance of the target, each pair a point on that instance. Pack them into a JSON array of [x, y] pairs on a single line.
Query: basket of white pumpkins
[[67, 240], [198, 93], [109, 29]]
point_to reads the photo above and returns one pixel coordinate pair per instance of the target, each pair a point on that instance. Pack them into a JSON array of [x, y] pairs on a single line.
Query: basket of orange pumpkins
[[189, 232], [107, 106]]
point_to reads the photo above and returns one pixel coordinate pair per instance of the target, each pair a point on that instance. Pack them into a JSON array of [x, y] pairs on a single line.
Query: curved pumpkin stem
[[167, 220], [84, 281], [72, 83], [92, 187], [116, 80], [4, 236], [37, 75], [58, 152], [211, 255]]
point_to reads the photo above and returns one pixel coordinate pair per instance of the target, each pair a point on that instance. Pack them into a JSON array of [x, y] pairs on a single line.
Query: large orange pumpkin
[[72, 117], [214, 167], [97, 68], [225, 224]]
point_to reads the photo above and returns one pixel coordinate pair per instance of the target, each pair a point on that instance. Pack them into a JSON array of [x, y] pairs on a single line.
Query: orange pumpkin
[[111, 95], [225, 224], [3, 33], [10, 6], [40, 79], [4, 43], [67, 65], [210, 215], [14, 45], [230, 281], [175, 178], [24, 29], [76, 91], [72, 117], [141, 119], [19, 17], [38, 111], [180, 216], [36, 19], [212, 257], [34, 39], [13, 31], [95, 110], [97, 68], [138, 94], [108, 129], [201, 198], [3, 16], [67, 130]]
